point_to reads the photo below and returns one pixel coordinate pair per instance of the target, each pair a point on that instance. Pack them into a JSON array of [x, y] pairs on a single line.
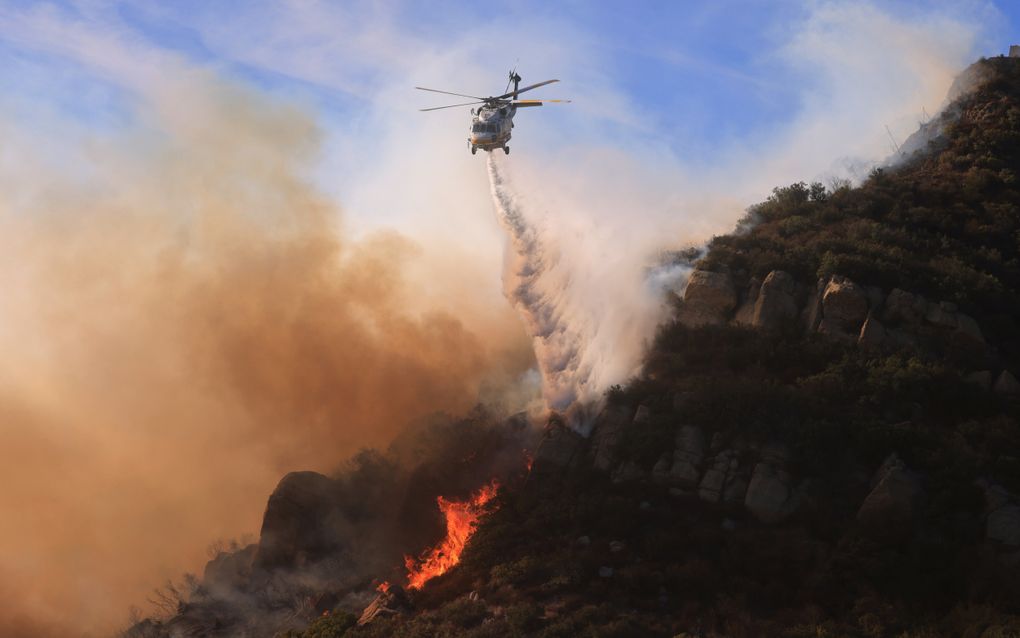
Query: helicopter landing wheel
[[474, 149], [506, 150]]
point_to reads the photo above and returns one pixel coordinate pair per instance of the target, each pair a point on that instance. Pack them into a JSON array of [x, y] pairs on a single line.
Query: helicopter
[[492, 122]]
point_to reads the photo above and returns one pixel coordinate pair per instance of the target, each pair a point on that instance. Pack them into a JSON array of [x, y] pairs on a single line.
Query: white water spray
[[558, 343], [587, 335]]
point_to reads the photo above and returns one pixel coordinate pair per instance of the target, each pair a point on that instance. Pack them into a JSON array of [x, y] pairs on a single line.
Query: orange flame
[[461, 518]]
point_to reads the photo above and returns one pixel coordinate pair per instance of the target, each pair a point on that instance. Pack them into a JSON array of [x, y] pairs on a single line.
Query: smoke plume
[[582, 345], [181, 326], [558, 343]]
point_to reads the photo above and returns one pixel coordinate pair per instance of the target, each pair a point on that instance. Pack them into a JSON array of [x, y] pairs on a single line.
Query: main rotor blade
[[450, 106], [473, 97], [537, 102], [527, 88]]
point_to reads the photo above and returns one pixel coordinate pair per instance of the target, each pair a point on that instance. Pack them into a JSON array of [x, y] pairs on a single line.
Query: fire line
[[461, 520]]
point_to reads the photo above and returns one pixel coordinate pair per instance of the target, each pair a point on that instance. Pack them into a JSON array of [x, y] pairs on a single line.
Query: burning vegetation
[[326, 541], [461, 520]]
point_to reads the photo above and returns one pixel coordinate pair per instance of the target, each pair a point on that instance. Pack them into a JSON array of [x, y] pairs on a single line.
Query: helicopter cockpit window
[[478, 128]]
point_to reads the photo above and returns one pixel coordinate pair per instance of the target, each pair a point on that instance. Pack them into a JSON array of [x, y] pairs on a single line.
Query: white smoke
[[528, 282], [582, 347]]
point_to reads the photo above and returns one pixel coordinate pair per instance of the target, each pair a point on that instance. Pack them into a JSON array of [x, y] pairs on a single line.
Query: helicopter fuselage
[[491, 127], [493, 121]]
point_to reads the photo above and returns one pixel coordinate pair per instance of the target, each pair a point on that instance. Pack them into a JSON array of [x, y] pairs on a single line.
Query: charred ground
[[825, 440]]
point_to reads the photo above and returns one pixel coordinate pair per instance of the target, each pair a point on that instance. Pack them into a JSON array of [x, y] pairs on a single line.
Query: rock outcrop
[[558, 452], [294, 527], [776, 305], [228, 572], [709, 299], [769, 491], [1003, 525], [609, 428], [982, 379], [1006, 384], [905, 308], [721, 471], [844, 306], [629, 472], [837, 307], [889, 511], [872, 333], [688, 455], [941, 314], [910, 312], [967, 326]]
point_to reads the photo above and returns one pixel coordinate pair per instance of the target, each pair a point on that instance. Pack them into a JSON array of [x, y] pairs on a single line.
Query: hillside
[[824, 442]]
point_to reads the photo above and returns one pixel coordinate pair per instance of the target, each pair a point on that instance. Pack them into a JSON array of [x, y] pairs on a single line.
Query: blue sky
[[700, 72]]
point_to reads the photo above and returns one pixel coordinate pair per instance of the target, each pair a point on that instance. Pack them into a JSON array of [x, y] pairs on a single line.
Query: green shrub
[[517, 572], [335, 625], [462, 612]]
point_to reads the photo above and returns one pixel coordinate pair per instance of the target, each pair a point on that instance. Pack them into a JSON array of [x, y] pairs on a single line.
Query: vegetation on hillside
[[571, 550], [586, 556]]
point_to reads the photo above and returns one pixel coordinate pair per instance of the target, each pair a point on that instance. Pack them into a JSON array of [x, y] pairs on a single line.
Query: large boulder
[[721, 469], [1006, 384], [558, 452], [709, 299], [735, 490], [768, 493], [661, 469], [888, 512], [776, 306], [777, 454], [981, 379], [942, 314], [903, 307], [967, 327], [609, 427], [296, 524], [844, 304], [996, 495], [872, 333], [946, 315], [629, 472], [1003, 525], [688, 455], [229, 572]]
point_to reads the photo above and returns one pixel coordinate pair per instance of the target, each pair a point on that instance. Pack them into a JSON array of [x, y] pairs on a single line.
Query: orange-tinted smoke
[[182, 322]]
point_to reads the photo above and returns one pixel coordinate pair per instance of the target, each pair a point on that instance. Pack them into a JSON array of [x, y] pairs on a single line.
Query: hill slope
[[824, 442]]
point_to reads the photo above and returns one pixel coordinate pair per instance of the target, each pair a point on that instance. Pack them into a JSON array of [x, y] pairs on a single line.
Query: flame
[[529, 460], [461, 518]]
